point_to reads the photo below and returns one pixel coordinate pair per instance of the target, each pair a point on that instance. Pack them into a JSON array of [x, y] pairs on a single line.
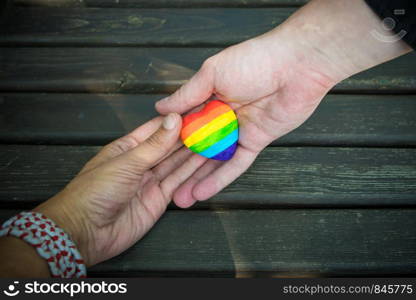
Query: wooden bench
[[336, 197]]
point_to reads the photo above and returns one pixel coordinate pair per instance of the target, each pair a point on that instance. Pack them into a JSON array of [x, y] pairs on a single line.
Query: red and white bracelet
[[50, 241]]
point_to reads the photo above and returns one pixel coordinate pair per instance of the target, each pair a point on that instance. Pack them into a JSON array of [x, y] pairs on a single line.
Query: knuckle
[[121, 145], [157, 142]]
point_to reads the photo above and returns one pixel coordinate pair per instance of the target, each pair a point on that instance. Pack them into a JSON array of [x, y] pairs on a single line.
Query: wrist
[[70, 220], [335, 38]]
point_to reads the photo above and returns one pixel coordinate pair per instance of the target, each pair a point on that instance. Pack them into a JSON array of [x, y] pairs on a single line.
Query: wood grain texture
[[6, 7], [94, 70], [272, 243], [61, 62], [153, 70], [138, 27], [96, 119], [160, 3], [280, 177]]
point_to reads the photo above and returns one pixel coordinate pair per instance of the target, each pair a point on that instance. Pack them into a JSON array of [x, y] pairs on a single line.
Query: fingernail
[[169, 122]]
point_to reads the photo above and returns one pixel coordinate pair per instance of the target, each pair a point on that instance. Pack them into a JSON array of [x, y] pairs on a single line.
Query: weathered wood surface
[[160, 3], [59, 63], [153, 70], [134, 27], [280, 177], [352, 242], [96, 119]]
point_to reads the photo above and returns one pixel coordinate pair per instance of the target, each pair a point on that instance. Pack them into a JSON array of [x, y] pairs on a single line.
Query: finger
[[124, 144], [197, 90], [177, 177], [183, 196], [224, 175], [171, 163], [148, 153]]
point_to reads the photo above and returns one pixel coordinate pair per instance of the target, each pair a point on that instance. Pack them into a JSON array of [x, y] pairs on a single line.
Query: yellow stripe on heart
[[210, 128]]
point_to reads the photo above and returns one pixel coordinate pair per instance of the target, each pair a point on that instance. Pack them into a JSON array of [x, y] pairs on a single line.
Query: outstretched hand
[[273, 89], [275, 81], [121, 193]]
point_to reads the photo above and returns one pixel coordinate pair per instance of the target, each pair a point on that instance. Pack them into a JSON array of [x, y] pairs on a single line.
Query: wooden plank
[[280, 177], [5, 9], [272, 243], [144, 70], [138, 27], [92, 119], [153, 70], [160, 3], [96, 119]]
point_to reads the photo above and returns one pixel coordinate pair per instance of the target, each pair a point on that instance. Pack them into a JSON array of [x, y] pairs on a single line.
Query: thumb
[[197, 90], [156, 147]]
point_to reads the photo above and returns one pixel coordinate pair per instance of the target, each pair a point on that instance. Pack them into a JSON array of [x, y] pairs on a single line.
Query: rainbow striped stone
[[211, 132]]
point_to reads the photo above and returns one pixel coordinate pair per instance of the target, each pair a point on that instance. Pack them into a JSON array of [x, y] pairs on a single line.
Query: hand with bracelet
[[274, 82], [114, 200]]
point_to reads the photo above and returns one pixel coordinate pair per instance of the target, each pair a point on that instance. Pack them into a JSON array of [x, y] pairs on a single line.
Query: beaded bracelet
[[50, 241]]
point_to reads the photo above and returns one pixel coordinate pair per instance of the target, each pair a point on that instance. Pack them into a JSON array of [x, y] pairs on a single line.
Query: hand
[[275, 81], [121, 193], [272, 92]]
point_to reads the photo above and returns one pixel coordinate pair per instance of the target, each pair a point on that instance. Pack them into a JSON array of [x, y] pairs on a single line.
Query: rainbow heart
[[211, 132]]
